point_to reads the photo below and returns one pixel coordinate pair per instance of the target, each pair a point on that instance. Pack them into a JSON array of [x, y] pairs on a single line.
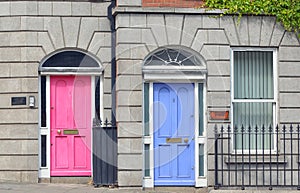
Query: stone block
[[129, 67], [14, 85], [44, 40], [290, 39], [70, 26], [210, 22], [132, 146], [81, 8], [129, 3], [129, 114], [218, 83], [18, 131], [289, 54], [130, 162], [99, 9], [32, 23], [54, 28], [10, 23], [18, 147], [5, 39], [129, 83], [215, 52], [4, 70], [289, 84], [31, 8], [138, 20], [130, 129], [4, 8], [289, 100], [218, 99], [21, 69], [19, 116], [104, 24], [266, 30], [13, 162], [254, 23], [44, 8], [107, 85], [130, 178], [106, 101], [61, 8], [289, 115], [217, 37], [129, 35], [291, 69], [122, 20], [190, 27], [242, 29], [139, 51], [104, 54], [10, 54], [107, 70], [229, 25], [174, 28], [123, 51], [23, 38], [148, 38], [99, 39], [19, 176], [32, 54], [277, 35], [18, 8], [220, 68], [88, 26], [128, 98], [157, 24]]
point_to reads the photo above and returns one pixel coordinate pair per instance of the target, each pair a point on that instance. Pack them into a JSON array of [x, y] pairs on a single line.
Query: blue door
[[174, 134]]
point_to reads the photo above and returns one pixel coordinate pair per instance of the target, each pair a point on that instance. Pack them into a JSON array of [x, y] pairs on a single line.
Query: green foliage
[[286, 11]]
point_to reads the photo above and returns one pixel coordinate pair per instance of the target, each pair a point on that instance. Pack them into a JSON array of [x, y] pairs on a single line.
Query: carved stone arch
[[70, 61], [174, 62]]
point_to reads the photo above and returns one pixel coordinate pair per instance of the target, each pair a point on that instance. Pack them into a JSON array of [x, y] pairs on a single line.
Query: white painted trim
[[275, 94], [148, 182], [78, 72], [92, 117], [101, 97]]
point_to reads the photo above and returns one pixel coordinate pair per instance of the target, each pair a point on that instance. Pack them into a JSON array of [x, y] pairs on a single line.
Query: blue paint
[[174, 118]]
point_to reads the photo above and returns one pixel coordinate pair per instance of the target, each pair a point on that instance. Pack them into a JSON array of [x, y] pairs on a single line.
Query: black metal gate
[[104, 153]]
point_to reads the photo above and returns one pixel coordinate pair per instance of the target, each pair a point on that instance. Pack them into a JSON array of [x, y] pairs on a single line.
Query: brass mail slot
[[71, 132], [173, 140]]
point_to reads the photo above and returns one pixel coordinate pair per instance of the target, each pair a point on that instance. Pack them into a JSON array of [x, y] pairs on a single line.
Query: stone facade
[[31, 30]]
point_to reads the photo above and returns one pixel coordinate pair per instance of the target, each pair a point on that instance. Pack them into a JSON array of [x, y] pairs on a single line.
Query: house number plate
[[71, 132], [173, 140]]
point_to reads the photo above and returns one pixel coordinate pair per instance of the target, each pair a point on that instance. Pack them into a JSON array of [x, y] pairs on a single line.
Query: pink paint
[[70, 106]]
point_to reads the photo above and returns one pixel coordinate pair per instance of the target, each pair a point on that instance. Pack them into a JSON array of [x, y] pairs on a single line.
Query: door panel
[[70, 123], [174, 146]]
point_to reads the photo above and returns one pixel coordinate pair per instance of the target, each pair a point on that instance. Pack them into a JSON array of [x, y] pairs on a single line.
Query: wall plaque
[[18, 100], [219, 115]]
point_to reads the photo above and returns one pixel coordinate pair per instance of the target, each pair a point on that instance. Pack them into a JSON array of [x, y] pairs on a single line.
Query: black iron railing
[[104, 153], [257, 157]]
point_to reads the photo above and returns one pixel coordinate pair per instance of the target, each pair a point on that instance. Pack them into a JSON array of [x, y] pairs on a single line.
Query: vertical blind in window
[[253, 89]]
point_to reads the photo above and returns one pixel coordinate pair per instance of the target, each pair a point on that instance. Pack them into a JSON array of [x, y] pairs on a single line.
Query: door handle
[[59, 131], [186, 140]]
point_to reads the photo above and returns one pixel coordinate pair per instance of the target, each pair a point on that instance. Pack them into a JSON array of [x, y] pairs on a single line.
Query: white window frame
[[274, 100]]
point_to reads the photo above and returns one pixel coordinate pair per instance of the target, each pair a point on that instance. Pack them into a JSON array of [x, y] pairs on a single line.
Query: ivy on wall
[[286, 11]]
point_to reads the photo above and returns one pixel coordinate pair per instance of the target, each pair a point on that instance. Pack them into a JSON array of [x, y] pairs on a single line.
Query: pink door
[[70, 105]]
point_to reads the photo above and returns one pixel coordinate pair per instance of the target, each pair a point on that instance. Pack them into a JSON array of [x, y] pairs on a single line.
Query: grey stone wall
[[140, 31], [29, 31]]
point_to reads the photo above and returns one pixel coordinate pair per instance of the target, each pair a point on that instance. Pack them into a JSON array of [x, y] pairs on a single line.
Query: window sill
[[252, 160]]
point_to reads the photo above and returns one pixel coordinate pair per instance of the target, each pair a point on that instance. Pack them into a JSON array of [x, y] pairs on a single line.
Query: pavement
[[79, 188], [60, 188]]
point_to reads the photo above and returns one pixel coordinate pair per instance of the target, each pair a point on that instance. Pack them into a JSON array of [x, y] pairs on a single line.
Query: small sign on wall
[[219, 115], [18, 101]]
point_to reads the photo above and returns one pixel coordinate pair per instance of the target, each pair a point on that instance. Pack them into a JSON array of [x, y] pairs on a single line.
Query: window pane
[[253, 75], [201, 159], [97, 97], [201, 125], [252, 115], [43, 102], [147, 160], [146, 109], [43, 151]]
